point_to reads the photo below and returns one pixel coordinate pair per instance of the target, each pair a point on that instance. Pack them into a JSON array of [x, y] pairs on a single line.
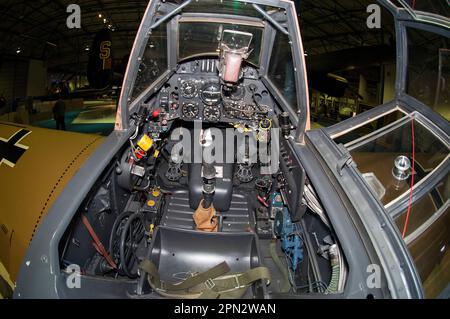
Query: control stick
[[209, 184], [205, 215]]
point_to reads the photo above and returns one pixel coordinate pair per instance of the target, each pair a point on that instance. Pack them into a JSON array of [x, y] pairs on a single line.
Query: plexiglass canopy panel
[[377, 154], [197, 39], [153, 61], [229, 7], [441, 7], [429, 70]]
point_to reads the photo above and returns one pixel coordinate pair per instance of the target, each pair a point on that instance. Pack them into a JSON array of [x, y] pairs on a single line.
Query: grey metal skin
[[364, 229], [40, 273]]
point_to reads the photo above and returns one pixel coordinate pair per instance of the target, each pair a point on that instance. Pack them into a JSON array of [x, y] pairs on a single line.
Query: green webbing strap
[[190, 282], [153, 274], [207, 285], [230, 294], [235, 286], [286, 286], [241, 280]]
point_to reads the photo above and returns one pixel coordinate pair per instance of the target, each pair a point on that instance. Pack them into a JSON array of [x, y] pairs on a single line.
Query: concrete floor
[[443, 110], [97, 117]]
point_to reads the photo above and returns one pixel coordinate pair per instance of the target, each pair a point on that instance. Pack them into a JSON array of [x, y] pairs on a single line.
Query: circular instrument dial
[[239, 110], [211, 113], [210, 93], [248, 110], [232, 108], [190, 110], [188, 89], [235, 93]]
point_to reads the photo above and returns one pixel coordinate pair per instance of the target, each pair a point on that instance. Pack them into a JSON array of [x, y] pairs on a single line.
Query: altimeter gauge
[[190, 110]]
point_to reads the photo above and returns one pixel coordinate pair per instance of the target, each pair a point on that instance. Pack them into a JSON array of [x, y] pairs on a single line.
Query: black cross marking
[[10, 150]]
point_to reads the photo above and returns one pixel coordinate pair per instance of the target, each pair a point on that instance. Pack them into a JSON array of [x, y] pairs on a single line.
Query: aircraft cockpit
[[212, 172], [211, 97], [218, 76]]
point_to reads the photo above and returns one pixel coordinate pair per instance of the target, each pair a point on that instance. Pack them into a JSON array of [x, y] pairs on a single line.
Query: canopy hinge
[[345, 160]]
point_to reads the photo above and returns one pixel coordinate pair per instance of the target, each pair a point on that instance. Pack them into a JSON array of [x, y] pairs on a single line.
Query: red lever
[[155, 113]]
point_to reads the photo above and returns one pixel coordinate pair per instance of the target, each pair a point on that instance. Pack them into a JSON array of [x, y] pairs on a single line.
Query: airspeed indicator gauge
[[188, 89], [211, 113]]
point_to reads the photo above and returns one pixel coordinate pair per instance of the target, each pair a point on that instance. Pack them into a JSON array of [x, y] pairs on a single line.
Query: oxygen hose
[[286, 286], [335, 270]]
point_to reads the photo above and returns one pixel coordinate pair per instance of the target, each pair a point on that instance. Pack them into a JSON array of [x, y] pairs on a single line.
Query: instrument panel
[[199, 98], [196, 94]]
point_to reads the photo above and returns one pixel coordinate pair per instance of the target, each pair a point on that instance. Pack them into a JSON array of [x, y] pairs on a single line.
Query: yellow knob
[[156, 192]]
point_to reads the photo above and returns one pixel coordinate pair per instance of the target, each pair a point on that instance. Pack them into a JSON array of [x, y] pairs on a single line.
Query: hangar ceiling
[[37, 28]]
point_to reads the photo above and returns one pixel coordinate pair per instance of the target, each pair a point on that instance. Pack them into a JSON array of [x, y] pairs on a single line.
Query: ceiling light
[[100, 15], [104, 20], [18, 50]]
